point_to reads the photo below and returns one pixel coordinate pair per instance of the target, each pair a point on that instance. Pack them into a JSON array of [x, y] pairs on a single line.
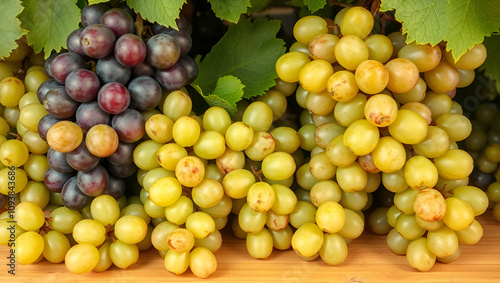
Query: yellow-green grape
[[130, 229], [64, 219], [190, 171], [429, 225], [276, 221], [31, 114], [407, 226], [11, 116], [34, 78], [342, 86], [326, 190], [165, 191], [81, 258], [282, 239], [216, 119], [89, 231], [459, 214], [28, 247], [325, 132], [466, 77], [420, 173], [288, 66], [286, 139], [474, 196], [260, 197], [322, 47], [396, 243], [123, 255], [419, 256], [338, 153], [443, 78], [220, 209], [314, 75], [425, 56], [355, 201], [416, 94], [429, 205], [276, 100], [285, 199], [380, 47], [35, 192], [320, 103], [438, 103], [160, 233], [381, 110], [35, 166], [392, 215], [403, 75], [177, 104], [304, 212], [237, 183], [351, 178], [278, 166], [200, 224], [334, 249], [308, 27], [186, 131], [299, 47], [472, 234], [104, 259], [389, 155], [13, 153], [347, 112], [321, 168], [284, 87], [408, 127], [259, 116], [180, 240], [239, 136], [168, 156], [176, 262], [55, 246], [330, 217], [442, 242], [436, 143], [350, 51], [446, 164], [361, 137], [159, 128], [136, 209], [357, 21], [249, 220], [470, 60], [259, 244], [262, 145], [307, 240], [11, 91], [5, 70], [35, 143], [404, 200], [207, 193], [304, 177], [202, 262], [29, 216], [371, 76], [461, 128], [210, 145]]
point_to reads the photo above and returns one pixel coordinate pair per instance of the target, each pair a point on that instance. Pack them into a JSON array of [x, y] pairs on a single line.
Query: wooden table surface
[[369, 260]]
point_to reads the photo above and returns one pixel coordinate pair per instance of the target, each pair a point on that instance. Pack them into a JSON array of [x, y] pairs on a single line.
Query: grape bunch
[[393, 130]]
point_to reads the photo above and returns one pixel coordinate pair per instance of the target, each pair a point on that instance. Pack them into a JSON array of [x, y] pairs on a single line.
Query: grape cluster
[[392, 127]]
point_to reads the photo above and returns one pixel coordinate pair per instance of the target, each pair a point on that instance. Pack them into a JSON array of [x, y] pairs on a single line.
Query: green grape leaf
[[490, 66], [91, 2], [161, 11], [256, 5], [49, 23], [461, 23], [10, 26], [247, 51], [228, 91], [315, 5], [229, 9]]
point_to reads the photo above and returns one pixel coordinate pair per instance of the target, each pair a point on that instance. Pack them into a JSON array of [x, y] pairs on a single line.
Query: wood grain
[[369, 260]]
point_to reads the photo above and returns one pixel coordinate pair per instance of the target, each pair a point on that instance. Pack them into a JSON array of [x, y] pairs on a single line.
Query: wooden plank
[[369, 260]]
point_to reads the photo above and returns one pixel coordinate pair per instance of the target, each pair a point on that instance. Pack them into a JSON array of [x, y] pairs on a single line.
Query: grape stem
[[15, 135], [256, 173]]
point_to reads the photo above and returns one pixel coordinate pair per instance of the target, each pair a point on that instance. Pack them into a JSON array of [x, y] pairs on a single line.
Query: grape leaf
[[161, 11], [461, 23], [49, 23], [247, 51], [228, 91], [490, 66], [229, 9], [10, 26], [91, 2], [256, 5], [315, 5]]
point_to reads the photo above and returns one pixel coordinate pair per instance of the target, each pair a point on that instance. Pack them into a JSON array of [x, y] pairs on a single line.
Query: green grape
[[322, 47], [472, 234], [338, 153], [314, 75], [394, 181], [165, 191], [284, 200], [304, 212], [286, 139], [474, 196], [282, 239], [446, 164], [425, 56], [347, 112], [81, 258], [259, 244], [443, 78], [334, 249], [230, 160], [258, 115], [420, 173], [35, 192], [484, 165], [361, 137], [396, 243], [176, 262], [210, 145], [325, 132], [29, 216], [350, 51], [237, 183], [306, 137], [389, 155], [304, 177], [352, 178], [145, 154], [135, 209], [416, 94], [321, 168], [130, 229], [353, 226], [403, 75], [178, 212], [189, 171], [407, 226], [449, 185], [200, 224], [354, 200], [249, 220], [342, 86], [493, 191], [154, 174], [63, 219], [177, 104], [89, 231], [408, 127], [478, 140], [220, 209], [55, 246], [276, 100], [307, 240], [28, 247], [11, 91], [371, 76], [470, 60], [105, 209], [419, 256], [459, 214], [202, 262], [35, 166], [436, 143], [207, 193], [6, 231], [466, 77], [213, 242], [323, 191], [212, 172], [31, 114], [160, 233], [380, 47], [284, 87], [330, 217], [457, 126], [186, 131], [261, 197], [123, 255], [306, 28], [442, 242], [276, 221], [278, 166], [159, 128], [262, 145], [239, 136], [13, 153], [320, 103], [377, 221], [357, 21], [11, 116], [180, 240], [438, 103], [216, 119], [35, 143], [392, 215], [104, 259], [429, 225], [288, 66], [429, 205]]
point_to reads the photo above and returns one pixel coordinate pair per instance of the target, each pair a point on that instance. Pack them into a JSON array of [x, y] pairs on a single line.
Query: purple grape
[[47, 64], [130, 50], [183, 38], [54, 180], [129, 125], [45, 87], [123, 154], [93, 182], [119, 21], [82, 85], [44, 124], [109, 70], [73, 43], [189, 64], [81, 159], [172, 78], [97, 41], [116, 187], [113, 98], [122, 171], [72, 197], [90, 114], [145, 93], [143, 69], [57, 161], [65, 63], [92, 14], [162, 51], [59, 104]]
